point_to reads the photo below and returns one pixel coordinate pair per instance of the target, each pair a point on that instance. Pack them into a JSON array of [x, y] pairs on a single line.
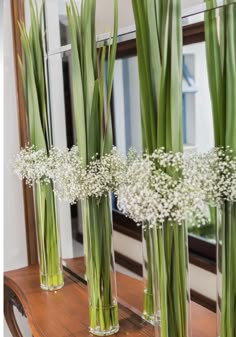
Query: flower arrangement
[[92, 184], [163, 191], [159, 46], [72, 181], [159, 187], [155, 193], [92, 80], [33, 73]]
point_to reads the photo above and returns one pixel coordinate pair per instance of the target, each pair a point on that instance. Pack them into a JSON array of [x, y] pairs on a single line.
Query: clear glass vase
[[100, 266], [148, 305], [169, 258], [226, 269], [48, 235]]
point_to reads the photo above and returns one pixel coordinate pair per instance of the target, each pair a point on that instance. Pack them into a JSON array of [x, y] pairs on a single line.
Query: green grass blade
[[94, 124], [213, 55], [108, 139], [77, 88]]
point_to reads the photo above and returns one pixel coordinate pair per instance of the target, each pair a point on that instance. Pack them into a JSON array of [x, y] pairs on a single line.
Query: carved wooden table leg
[[11, 300]]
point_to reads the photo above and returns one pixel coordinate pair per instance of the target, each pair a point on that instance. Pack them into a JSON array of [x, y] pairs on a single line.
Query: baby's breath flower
[[154, 190], [104, 175], [31, 165], [66, 170], [213, 174], [158, 187], [72, 181]]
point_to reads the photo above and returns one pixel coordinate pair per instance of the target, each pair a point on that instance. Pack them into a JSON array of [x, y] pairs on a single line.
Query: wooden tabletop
[[64, 313]]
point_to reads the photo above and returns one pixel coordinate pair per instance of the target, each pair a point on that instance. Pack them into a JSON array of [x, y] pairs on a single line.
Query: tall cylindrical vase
[[148, 306], [100, 266], [48, 235], [169, 252], [226, 269]]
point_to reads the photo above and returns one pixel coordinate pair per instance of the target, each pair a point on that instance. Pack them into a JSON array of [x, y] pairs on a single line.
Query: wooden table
[[64, 313]]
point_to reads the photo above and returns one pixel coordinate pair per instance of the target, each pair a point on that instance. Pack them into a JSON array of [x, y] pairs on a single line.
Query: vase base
[[51, 282], [151, 318], [98, 332], [51, 288], [148, 318]]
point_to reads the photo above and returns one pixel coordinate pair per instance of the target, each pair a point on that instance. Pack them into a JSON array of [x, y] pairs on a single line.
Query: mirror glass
[[57, 23], [197, 136]]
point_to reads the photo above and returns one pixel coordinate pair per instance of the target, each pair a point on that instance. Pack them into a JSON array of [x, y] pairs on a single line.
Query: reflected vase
[[100, 266], [148, 305], [226, 269], [48, 236], [170, 279]]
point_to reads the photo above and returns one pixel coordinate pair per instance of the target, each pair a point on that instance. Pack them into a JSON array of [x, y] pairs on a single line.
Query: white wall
[[104, 15], [126, 18], [15, 255]]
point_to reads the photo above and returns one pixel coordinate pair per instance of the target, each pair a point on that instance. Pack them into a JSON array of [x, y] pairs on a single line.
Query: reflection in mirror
[[57, 23], [59, 68], [126, 105], [197, 111], [197, 136]]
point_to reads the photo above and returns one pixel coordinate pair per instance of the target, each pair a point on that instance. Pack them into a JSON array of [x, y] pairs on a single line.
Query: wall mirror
[[197, 136]]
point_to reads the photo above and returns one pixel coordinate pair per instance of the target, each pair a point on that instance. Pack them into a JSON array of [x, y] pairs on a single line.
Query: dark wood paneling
[[193, 33], [203, 301], [202, 262], [17, 8], [206, 249], [126, 226], [129, 264], [126, 49]]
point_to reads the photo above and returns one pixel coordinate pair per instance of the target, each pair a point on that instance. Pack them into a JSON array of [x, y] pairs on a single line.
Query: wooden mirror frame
[[17, 13]]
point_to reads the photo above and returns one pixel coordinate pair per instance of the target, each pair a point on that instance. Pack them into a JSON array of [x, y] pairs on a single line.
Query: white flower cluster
[[213, 174], [72, 181], [160, 187], [31, 165], [154, 190], [66, 170], [104, 175]]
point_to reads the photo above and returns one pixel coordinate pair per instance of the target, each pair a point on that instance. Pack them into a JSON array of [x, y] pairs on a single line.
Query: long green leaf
[[108, 139], [78, 92]]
